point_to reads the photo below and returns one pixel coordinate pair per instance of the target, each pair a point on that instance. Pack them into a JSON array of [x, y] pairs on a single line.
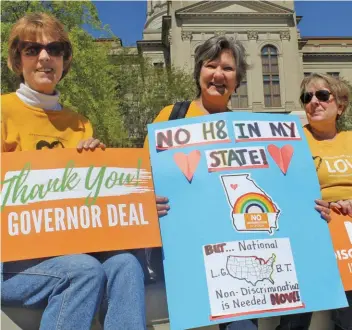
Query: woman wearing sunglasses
[[325, 98], [71, 288], [216, 78]]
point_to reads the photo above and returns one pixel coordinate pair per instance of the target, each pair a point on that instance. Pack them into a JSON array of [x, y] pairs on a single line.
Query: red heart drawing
[[234, 186], [282, 157], [188, 163]]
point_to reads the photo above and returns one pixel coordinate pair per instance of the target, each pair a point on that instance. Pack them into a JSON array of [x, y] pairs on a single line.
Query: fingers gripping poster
[[241, 239]]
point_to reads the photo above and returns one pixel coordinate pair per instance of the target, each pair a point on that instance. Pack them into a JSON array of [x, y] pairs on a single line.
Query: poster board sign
[[61, 201], [341, 233], [239, 239]]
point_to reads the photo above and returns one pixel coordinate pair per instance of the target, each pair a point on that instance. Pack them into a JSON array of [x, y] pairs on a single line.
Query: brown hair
[[212, 48], [30, 27], [337, 87]]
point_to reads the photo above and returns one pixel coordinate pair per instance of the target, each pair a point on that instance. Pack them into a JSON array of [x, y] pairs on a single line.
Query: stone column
[[254, 75], [289, 71], [186, 37], [175, 31], [149, 7]]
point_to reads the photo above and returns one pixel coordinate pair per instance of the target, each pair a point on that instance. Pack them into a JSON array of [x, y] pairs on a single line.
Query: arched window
[[239, 99], [271, 79]]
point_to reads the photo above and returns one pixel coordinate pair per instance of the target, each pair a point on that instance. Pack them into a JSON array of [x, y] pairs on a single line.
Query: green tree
[[89, 88], [344, 123], [144, 90]]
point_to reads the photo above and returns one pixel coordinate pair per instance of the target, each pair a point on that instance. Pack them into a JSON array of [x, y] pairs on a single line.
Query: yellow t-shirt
[[333, 161], [164, 114], [24, 127]]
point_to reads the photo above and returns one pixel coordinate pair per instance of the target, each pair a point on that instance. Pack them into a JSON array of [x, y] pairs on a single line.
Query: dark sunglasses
[[321, 95], [56, 48]]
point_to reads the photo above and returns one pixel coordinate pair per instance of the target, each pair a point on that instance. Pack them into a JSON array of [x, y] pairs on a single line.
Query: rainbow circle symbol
[[254, 203]]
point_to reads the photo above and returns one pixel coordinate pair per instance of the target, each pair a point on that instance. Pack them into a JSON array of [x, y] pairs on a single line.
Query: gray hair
[[211, 50]]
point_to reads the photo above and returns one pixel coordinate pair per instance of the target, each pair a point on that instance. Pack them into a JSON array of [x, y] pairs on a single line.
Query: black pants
[[343, 317], [224, 325], [295, 322], [287, 322]]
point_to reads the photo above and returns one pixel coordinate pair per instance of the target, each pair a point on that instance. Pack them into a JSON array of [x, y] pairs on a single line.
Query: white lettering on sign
[[348, 226]]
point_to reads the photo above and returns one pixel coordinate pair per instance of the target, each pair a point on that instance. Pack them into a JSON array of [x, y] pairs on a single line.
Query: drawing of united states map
[[251, 269], [252, 209], [251, 276]]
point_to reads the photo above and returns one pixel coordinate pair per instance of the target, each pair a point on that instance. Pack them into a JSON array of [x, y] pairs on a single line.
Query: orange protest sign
[[341, 233], [61, 201]]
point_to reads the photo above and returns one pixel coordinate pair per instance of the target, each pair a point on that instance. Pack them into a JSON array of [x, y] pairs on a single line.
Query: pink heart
[[234, 186], [188, 163], [282, 157]]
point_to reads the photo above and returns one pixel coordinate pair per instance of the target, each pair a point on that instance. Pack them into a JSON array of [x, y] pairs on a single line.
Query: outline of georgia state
[[244, 184]]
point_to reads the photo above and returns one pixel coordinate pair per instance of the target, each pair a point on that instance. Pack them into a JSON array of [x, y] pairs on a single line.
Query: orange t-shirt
[[333, 161], [24, 127]]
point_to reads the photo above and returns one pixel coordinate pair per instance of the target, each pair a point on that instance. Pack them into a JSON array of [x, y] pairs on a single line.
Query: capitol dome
[[155, 11]]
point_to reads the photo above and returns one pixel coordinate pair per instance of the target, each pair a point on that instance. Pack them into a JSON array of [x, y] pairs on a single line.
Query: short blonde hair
[[336, 86], [30, 27]]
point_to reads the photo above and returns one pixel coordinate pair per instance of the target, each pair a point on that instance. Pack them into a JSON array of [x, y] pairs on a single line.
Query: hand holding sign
[[91, 144], [162, 206], [345, 207], [323, 208]]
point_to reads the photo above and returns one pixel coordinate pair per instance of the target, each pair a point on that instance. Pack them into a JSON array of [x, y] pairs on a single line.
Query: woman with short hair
[[220, 66], [325, 99], [70, 288]]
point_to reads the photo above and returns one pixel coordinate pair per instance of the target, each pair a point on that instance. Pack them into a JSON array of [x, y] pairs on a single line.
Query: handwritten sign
[[64, 202], [236, 158], [265, 131], [271, 262], [238, 239], [341, 233], [193, 134]]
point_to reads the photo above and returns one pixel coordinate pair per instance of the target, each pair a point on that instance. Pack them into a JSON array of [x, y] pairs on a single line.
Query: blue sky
[[320, 18]]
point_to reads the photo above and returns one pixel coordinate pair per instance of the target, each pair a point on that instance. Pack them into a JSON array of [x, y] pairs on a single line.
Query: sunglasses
[[56, 48], [321, 95]]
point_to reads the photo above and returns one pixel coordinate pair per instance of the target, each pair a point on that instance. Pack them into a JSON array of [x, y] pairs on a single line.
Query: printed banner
[[239, 239], [65, 202], [341, 233]]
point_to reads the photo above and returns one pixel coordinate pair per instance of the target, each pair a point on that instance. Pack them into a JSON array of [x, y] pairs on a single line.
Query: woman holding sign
[[325, 99], [220, 66], [72, 287]]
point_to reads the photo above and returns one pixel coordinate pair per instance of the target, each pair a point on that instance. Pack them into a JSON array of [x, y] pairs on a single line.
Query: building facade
[[278, 56]]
